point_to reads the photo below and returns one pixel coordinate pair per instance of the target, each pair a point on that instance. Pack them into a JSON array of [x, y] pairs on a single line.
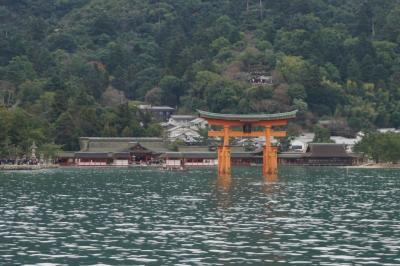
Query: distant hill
[[332, 59]]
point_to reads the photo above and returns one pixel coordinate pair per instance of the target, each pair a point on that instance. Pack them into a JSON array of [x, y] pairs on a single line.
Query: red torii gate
[[247, 122]]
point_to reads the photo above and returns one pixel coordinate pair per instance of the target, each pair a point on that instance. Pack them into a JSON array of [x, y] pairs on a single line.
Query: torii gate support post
[[224, 155], [270, 155]]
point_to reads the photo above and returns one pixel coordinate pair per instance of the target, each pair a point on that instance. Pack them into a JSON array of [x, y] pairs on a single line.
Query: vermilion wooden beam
[[217, 122], [214, 133]]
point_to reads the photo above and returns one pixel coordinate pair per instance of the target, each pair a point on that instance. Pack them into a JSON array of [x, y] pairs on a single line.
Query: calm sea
[[319, 216]]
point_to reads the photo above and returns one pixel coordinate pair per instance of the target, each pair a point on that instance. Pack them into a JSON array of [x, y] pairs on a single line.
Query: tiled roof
[[247, 117], [116, 145], [183, 117], [321, 150]]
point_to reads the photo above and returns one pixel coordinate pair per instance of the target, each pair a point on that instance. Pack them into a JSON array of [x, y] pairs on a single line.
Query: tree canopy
[[62, 63]]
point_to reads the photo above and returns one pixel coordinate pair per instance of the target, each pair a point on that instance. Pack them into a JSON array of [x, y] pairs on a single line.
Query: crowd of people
[[19, 161]]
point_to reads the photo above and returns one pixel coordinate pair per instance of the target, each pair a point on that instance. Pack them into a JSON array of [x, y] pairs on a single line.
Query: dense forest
[[71, 68]]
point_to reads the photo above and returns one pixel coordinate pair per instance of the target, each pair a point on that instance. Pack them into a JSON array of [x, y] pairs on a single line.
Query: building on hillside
[[349, 143], [262, 80], [159, 113], [180, 120], [300, 143], [387, 130], [183, 134], [198, 123], [189, 121], [260, 74], [184, 128]]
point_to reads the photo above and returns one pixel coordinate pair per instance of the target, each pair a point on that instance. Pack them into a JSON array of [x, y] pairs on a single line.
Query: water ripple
[[323, 216]]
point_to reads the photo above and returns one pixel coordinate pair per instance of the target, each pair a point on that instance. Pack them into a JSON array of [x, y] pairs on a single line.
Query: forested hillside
[[71, 68]]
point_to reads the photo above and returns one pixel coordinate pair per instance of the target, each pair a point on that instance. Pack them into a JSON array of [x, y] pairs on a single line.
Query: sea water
[[319, 216]]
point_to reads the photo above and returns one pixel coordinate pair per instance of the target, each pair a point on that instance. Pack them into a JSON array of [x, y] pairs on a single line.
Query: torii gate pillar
[[224, 155], [247, 122], [270, 155]]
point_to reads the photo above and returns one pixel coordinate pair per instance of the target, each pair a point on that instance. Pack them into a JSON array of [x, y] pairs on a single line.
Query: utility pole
[[261, 10]]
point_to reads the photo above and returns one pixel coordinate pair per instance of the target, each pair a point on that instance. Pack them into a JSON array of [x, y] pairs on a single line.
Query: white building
[[300, 143], [184, 128], [386, 130], [180, 120], [182, 133], [198, 123], [262, 79], [160, 113], [347, 142]]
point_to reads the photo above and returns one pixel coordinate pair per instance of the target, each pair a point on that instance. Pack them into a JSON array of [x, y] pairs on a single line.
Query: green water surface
[[318, 216]]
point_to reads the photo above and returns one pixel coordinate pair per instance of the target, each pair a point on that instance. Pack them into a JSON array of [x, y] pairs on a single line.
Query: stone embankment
[[12, 167]]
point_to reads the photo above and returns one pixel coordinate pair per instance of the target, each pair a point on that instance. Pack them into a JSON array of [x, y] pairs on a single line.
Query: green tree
[[67, 133], [31, 90], [172, 89], [20, 69], [380, 147], [322, 135], [353, 70]]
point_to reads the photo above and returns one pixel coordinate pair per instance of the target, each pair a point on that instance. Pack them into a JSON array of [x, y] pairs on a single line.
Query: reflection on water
[[124, 216], [223, 194], [271, 178], [224, 183]]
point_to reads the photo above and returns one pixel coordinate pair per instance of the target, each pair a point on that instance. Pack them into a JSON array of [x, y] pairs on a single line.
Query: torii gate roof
[[247, 117]]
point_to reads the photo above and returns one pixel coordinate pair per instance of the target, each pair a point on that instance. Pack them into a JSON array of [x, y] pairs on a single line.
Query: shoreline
[[12, 167], [25, 167], [375, 166]]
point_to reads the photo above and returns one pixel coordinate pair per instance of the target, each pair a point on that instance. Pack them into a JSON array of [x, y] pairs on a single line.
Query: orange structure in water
[[246, 124]]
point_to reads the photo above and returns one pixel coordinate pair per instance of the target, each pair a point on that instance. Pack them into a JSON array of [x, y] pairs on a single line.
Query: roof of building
[[182, 128], [198, 120], [154, 146], [305, 137], [247, 117], [183, 117], [105, 146], [325, 150], [93, 155], [344, 140], [116, 145], [158, 108]]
